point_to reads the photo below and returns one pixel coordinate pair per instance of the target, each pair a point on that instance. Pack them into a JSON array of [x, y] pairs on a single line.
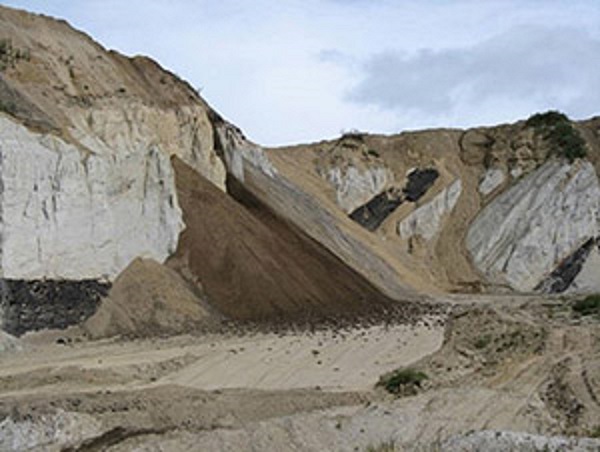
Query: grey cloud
[[540, 67]]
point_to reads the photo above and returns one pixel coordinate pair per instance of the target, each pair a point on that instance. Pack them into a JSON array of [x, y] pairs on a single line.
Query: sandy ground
[[339, 361], [537, 371]]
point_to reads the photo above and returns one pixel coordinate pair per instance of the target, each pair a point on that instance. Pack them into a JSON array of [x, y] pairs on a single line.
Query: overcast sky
[[290, 71]]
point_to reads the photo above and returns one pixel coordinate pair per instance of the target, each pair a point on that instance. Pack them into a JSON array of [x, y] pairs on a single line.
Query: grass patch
[[403, 381], [558, 131], [594, 432], [589, 305], [483, 342]]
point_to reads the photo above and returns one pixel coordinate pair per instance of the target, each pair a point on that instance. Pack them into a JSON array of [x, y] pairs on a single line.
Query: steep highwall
[[70, 214], [523, 234]]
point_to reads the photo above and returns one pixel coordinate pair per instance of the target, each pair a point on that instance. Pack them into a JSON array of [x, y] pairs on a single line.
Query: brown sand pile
[[147, 299], [254, 266]]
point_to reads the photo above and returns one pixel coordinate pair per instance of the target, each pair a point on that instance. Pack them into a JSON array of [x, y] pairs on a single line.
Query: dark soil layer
[[562, 277], [253, 266], [419, 181], [35, 305], [373, 213]]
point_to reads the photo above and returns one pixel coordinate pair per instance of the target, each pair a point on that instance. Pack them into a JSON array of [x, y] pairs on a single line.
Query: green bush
[[594, 432], [558, 131], [483, 341], [403, 381], [567, 141], [547, 120], [8, 107], [589, 305]]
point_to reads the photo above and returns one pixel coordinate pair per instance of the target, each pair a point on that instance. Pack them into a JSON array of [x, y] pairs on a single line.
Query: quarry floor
[[292, 390]]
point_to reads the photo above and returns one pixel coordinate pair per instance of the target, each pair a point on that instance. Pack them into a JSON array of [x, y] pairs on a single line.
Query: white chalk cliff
[[73, 214], [426, 220], [522, 235], [354, 187]]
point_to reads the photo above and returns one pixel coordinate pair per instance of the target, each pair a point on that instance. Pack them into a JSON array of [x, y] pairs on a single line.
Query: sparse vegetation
[[10, 55], [558, 131], [8, 107], [594, 432], [589, 305], [546, 120], [483, 341], [403, 381], [387, 446], [353, 134]]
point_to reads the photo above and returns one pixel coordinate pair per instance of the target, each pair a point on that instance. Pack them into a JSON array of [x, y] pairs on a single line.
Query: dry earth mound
[[253, 265], [148, 299]]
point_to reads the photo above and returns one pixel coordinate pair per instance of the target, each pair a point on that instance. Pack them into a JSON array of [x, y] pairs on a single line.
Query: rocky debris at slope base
[[148, 299], [524, 233]]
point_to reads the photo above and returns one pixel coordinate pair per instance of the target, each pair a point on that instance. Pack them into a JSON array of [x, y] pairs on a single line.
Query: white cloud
[[520, 71], [282, 70]]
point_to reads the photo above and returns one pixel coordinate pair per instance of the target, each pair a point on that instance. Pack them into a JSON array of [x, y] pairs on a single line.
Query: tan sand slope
[[148, 299], [254, 266]]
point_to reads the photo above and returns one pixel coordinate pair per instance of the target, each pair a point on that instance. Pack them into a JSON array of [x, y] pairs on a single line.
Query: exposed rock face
[[68, 214], [419, 181], [87, 183], [87, 186], [355, 187], [526, 231], [426, 220], [564, 275], [36, 305], [49, 432], [237, 151], [588, 278], [373, 213], [129, 125], [493, 178]]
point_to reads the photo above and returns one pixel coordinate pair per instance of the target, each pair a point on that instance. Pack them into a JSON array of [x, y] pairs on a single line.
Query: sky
[[290, 71]]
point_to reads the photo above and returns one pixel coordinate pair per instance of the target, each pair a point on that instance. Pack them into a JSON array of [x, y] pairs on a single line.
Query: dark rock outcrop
[[35, 305]]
